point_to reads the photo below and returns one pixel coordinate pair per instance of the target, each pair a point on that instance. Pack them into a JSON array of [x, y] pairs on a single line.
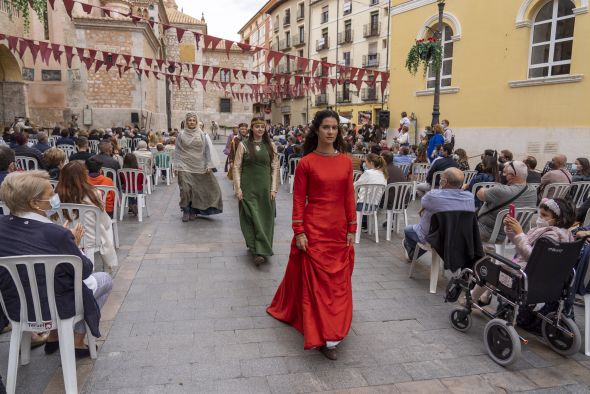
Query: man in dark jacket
[[22, 149], [439, 164], [105, 156]]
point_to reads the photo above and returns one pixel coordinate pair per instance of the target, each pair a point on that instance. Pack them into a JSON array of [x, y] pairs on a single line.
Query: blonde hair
[[19, 188], [53, 157], [378, 162]]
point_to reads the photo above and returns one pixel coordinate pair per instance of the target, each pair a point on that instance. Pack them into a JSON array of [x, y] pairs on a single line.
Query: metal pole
[[309, 65], [436, 105], [387, 49], [337, 45]]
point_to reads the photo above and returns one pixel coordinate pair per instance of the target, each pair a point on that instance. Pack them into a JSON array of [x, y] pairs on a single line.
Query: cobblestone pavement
[[187, 315]]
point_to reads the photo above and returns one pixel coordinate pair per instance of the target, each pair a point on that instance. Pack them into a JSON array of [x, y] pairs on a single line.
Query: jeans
[[104, 286], [411, 240]]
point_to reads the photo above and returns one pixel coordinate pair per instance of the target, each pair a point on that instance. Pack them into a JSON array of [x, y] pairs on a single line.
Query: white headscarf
[[187, 160]]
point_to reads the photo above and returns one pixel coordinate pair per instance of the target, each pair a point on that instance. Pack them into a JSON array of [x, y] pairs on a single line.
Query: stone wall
[[12, 101]]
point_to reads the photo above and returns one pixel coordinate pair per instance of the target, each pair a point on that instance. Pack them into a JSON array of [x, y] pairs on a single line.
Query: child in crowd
[[95, 178]]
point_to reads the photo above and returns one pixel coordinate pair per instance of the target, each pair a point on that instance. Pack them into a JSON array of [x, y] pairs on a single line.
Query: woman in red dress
[[315, 296]]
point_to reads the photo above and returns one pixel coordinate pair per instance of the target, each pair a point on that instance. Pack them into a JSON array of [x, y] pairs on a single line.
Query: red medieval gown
[[315, 295]]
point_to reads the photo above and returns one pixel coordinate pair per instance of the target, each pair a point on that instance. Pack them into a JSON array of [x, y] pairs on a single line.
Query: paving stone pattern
[[187, 315]]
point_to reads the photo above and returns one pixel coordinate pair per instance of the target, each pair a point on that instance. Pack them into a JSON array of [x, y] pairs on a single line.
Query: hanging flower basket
[[426, 52]]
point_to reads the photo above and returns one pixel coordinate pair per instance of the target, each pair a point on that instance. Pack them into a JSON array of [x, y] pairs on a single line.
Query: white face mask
[[542, 222]]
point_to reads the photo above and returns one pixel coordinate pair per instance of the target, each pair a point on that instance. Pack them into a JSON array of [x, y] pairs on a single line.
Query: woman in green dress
[[256, 176]]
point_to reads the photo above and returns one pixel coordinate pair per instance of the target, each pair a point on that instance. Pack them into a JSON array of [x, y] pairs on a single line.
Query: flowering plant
[[427, 52]]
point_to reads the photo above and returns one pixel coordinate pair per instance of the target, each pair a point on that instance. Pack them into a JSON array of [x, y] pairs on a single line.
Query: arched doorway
[[12, 88]]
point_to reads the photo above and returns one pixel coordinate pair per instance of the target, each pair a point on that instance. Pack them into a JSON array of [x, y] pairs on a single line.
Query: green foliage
[[22, 6], [425, 52]]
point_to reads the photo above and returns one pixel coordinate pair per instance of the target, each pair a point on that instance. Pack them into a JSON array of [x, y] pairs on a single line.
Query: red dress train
[[315, 295]]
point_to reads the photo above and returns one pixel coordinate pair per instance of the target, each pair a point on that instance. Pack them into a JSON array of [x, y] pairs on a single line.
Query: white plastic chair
[[146, 164], [20, 338], [485, 185], [372, 197], [533, 186], [587, 220], [435, 264], [4, 208], [436, 177], [282, 168], [110, 173], [93, 145], [25, 163], [524, 217], [404, 167], [163, 164], [129, 181], [356, 174], [104, 190], [134, 143], [555, 190], [579, 192], [83, 214], [419, 172], [52, 140], [293, 163], [359, 156], [33, 141], [68, 149], [469, 175], [402, 192]]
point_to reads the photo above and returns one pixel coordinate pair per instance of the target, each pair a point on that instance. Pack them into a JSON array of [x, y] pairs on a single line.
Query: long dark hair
[[311, 140], [265, 139], [73, 186], [490, 166], [585, 166]]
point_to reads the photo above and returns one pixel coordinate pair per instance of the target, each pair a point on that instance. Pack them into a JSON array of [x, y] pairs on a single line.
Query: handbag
[[230, 172], [504, 204]]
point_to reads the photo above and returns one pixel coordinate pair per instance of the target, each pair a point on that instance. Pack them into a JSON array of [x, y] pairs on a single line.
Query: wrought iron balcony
[[371, 60], [372, 30], [322, 44], [321, 99], [369, 94], [345, 37]]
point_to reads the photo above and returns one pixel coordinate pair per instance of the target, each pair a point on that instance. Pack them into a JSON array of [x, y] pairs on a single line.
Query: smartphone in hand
[[512, 211]]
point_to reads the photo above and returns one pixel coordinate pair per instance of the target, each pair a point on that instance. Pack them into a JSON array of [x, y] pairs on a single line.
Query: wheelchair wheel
[[502, 342], [559, 341], [460, 318]]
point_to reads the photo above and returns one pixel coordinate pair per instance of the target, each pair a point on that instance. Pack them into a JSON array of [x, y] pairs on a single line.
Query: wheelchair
[[547, 278]]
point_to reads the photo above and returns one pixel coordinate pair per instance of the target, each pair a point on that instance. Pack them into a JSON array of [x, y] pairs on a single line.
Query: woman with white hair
[[194, 158]]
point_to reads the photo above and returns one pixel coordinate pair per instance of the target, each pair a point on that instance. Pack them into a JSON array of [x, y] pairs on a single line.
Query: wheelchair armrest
[[504, 260]]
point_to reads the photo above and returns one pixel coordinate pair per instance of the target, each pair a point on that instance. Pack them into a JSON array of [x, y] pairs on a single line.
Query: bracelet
[[299, 236]]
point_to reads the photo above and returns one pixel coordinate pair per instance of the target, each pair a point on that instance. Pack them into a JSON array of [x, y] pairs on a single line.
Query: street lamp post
[[436, 105]]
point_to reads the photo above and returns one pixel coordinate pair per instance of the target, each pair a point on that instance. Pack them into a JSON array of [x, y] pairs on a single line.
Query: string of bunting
[[212, 42], [98, 58]]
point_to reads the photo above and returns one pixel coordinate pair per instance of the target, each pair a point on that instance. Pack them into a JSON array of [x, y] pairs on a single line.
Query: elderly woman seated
[[29, 231]]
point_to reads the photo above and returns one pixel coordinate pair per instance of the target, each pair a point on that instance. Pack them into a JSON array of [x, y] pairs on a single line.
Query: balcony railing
[[369, 94], [345, 37], [322, 43], [321, 99], [372, 30], [286, 20], [371, 60], [325, 17], [343, 97], [298, 41], [285, 44]]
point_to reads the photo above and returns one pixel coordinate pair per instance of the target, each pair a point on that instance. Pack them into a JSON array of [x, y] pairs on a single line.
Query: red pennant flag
[[152, 23], [214, 72], [224, 85], [51, 3], [205, 70], [302, 64], [384, 79], [165, 27], [126, 68], [278, 56], [69, 5], [268, 77], [137, 61], [314, 66], [114, 57], [87, 8], [235, 72], [80, 52], [45, 51], [228, 45], [22, 47], [34, 49], [92, 53], [56, 52], [88, 62], [197, 38], [160, 63], [214, 41], [69, 55], [189, 81], [195, 69], [156, 75], [148, 62], [120, 73], [12, 42], [127, 59], [98, 65], [135, 19], [353, 71], [146, 72], [179, 34], [204, 83], [107, 12], [244, 47]]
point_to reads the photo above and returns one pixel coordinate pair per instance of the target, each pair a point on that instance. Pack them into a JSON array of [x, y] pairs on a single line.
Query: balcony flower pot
[[426, 53]]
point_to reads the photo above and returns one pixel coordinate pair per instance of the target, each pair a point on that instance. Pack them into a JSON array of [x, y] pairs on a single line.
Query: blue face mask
[[55, 203]]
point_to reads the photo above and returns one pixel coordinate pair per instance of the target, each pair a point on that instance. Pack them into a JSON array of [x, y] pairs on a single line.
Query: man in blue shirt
[[42, 144], [65, 138], [450, 197]]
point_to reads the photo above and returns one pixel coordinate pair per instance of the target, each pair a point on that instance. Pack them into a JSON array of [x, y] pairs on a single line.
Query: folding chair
[[293, 163], [370, 206], [20, 337], [110, 173], [25, 163], [146, 164], [469, 175], [556, 190], [104, 190], [419, 172], [524, 217], [130, 187], [579, 192], [436, 177], [68, 149], [84, 214], [356, 175]]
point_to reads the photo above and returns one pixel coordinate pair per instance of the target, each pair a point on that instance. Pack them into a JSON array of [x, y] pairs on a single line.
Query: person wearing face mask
[[556, 216], [582, 170], [256, 183], [29, 231]]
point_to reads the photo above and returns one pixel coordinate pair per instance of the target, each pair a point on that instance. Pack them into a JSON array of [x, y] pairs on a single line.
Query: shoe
[[192, 216], [384, 225], [82, 353], [329, 353], [258, 260], [484, 302], [186, 217], [364, 230], [406, 251], [51, 347], [39, 339]]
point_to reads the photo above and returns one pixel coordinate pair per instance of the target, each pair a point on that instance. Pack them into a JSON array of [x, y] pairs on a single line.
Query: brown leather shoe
[[329, 353], [258, 260], [185, 217]]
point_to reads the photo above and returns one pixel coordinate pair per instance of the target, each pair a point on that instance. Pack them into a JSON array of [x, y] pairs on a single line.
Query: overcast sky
[[224, 17]]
